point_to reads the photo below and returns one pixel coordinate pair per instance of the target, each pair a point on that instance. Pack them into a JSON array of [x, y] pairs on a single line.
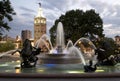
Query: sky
[[26, 10]]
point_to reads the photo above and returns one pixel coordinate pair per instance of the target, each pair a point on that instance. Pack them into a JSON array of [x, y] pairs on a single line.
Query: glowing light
[[17, 71], [40, 70], [18, 61], [100, 70], [75, 71], [79, 42]]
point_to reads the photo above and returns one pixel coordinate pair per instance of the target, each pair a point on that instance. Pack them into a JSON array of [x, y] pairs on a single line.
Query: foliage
[[79, 24], [111, 45], [6, 46], [111, 41], [6, 12], [108, 45]]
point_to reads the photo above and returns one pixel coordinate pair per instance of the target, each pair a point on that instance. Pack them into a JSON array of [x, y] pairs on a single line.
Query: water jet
[[69, 54]]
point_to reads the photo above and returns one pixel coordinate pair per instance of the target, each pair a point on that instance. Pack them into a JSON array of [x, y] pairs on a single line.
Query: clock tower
[[39, 24]]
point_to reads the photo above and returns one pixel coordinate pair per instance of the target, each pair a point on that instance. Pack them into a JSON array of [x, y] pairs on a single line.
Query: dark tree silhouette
[[78, 23], [6, 12]]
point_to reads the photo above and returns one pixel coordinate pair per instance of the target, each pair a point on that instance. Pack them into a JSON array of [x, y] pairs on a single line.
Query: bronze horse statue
[[28, 54]]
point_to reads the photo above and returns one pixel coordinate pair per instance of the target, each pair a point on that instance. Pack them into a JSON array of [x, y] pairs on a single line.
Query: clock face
[[44, 22], [35, 21], [41, 21], [38, 21]]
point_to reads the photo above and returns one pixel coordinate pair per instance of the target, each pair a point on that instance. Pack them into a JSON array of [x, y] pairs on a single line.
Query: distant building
[[26, 34], [18, 42], [7, 38], [39, 25], [117, 40]]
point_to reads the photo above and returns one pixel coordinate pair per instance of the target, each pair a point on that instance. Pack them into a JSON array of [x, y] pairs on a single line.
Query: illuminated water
[[71, 50], [82, 49], [14, 67]]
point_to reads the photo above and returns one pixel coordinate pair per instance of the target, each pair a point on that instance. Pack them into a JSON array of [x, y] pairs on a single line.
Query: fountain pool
[[81, 53], [65, 54], [60, 61], [14, 67]]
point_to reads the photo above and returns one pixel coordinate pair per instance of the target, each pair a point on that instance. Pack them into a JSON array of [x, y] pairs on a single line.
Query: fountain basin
[[58, 59]]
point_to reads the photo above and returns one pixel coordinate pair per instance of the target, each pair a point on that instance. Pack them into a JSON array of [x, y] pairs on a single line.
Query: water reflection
[[10, 67], [17, 70]]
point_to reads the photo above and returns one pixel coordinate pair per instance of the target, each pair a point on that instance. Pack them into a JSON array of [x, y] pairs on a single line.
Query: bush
[[6, 46]]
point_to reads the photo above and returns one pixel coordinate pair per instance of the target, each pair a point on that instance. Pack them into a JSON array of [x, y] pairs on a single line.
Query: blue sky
[[26, 10]]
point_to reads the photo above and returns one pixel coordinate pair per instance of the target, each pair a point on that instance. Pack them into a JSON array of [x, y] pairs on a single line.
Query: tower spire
[[40, 13], [39, 4]]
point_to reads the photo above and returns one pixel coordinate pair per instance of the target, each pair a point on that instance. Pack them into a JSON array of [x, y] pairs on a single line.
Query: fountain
[[62, 61], [28, 54], [69, 54]]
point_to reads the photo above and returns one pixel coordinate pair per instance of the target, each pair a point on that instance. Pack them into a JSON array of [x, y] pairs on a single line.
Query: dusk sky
[[26, 10]]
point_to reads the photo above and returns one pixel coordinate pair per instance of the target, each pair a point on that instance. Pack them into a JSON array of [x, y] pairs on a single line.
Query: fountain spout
[[59, 49], [60, 38]]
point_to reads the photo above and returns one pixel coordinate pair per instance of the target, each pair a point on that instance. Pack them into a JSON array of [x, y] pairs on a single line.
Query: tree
[[79, 24], [6, 12], [7, 46], [112, 45], [92, 24], [108, 45]]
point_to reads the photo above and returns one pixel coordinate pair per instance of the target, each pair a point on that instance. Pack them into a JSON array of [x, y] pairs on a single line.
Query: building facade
[[39, 25], [117, 40], [18, 42], [26, 34], [7, 38]]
